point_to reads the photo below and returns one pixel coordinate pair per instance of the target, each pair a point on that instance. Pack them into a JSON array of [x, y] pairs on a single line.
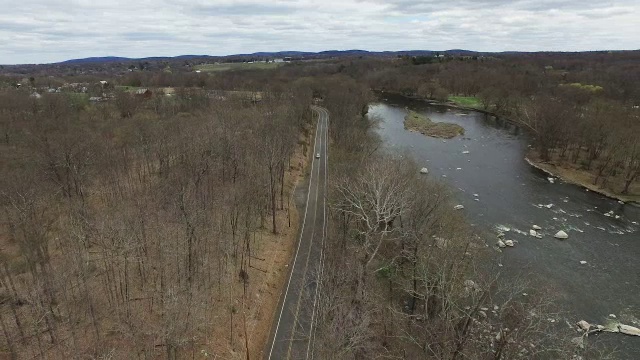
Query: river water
[[512, 194]]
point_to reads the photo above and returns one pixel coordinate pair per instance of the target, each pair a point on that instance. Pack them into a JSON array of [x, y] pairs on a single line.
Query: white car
[[318, 156]]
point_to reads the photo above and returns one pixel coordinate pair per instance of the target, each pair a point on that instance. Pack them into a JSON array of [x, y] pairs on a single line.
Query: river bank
[[573, 176], [578, 177]]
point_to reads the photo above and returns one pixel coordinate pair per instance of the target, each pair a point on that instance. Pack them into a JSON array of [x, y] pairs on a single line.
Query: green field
[[466, 101], [237, 66]]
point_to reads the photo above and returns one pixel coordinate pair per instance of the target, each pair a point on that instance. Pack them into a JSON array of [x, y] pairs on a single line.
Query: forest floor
[[267, 274], [573, 173]]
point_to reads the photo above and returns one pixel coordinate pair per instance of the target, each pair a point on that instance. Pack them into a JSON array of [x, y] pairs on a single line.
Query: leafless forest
[[130, 226]]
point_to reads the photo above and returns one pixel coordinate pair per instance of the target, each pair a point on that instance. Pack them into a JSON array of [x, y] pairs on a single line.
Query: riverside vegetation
[[422, 124], [582, 109]]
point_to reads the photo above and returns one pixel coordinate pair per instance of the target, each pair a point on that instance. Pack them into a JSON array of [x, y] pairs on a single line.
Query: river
[[499, 189]]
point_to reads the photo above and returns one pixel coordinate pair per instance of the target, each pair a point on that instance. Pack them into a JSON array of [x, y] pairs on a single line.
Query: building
[[144, 93]]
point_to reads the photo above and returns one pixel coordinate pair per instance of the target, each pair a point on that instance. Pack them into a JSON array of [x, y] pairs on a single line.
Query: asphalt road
[[293, 329]]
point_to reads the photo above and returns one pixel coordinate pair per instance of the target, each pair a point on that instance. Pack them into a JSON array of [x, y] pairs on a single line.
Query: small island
[[422, 124]]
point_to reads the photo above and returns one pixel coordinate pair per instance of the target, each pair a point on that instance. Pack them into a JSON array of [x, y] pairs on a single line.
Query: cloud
[[54, 30]]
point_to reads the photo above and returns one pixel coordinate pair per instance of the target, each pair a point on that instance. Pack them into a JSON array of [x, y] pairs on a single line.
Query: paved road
[[295, 318]]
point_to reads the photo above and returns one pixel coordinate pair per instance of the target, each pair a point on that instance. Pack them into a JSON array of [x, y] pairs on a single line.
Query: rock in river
[[424, 170], [509, 243], [458, 207], [561, 235], [536, 227], [583, 325], [629, 330], [533, 233], [501, 244]]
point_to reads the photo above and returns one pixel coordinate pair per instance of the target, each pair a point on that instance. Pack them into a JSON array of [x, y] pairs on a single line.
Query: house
[[144, 93]]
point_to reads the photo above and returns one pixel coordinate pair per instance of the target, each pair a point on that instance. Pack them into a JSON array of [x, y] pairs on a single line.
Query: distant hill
[[105, 59], [276, 54]]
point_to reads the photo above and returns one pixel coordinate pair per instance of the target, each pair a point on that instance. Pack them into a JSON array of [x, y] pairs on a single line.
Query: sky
[[45, 31]]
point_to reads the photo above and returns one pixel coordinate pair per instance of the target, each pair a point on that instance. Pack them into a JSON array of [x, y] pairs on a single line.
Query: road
[[293, 328]]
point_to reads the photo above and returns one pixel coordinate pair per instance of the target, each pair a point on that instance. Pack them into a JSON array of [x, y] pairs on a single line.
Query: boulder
[[533, 233], [583, 325], [551, 180], [458, 207], [424, 170], [582, 262], [441, 243], [509, 243], [578, 342], [465, 152], [561, 235], [501, 244], [536, 227], [629, 330], [613, 316]]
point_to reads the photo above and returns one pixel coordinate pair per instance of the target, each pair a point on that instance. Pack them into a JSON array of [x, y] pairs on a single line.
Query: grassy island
[[422, 124]]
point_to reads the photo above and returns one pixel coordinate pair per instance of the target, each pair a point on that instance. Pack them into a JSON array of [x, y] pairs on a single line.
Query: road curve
[[293, 328]]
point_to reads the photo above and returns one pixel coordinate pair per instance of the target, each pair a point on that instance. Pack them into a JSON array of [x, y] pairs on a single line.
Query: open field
[[237, 66], [466, 101]]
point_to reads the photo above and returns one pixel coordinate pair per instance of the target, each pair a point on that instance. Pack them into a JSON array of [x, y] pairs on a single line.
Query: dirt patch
[[572, 173], [422, 124]]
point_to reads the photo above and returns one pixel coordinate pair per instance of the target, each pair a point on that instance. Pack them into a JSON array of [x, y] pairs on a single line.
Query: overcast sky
[[42, 31]]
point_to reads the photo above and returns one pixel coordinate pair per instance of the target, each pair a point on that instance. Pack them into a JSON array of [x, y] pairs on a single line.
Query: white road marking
[[275, 335], [324, 232]]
